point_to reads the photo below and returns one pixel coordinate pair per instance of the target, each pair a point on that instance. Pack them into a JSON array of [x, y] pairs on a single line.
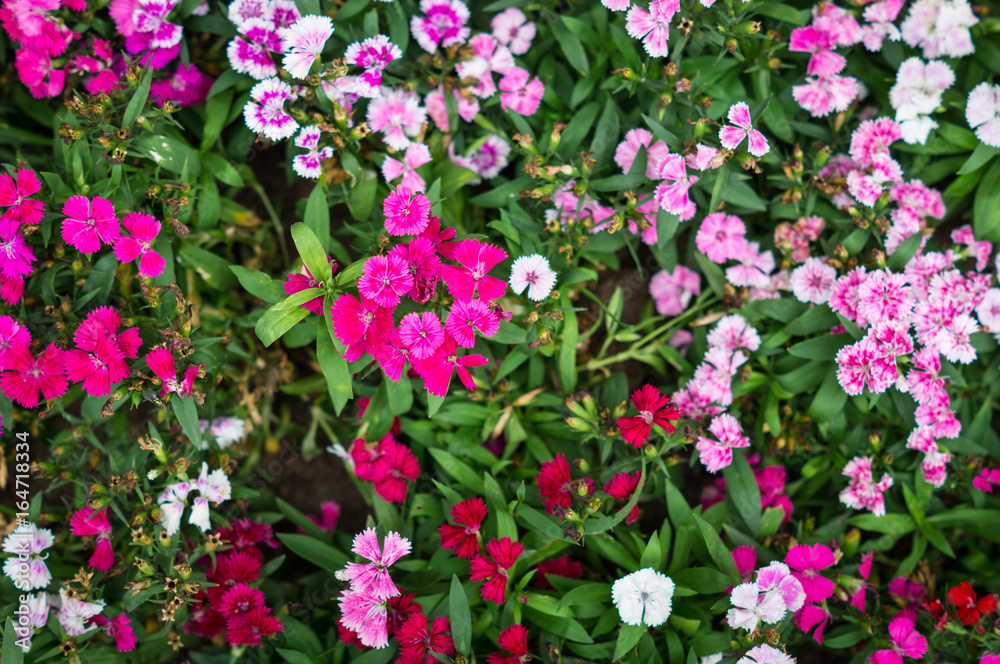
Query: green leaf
[[311, 250], [571, 46], [704, 580], [979, 157], [334, 367], [457, 469], [782, 12], [651, 554], [577, 129], [540, 523], [214, 269], [138, 100], [821, 348], [258, 284], [567, 348], [567, 628], [317, 216], [932, 534], [461, 618], [606, 135], [721, 180], [294, 656], [817, 319], [986, 208], [904, 252], [300, 519], [509, 333], [318, 553], [498, 504], [277, 320], [223, 171], [716, 549], [742, 491], [169, 150], [628, 638], [361, 200], [12, 653], [434, 403], [590, 593], [889, 524], [187, 414], [216, 113], [400, 394]]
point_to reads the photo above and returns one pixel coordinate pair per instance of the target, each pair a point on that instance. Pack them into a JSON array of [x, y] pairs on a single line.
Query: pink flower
[[884, 297], [519, 94], [16, 256], [373, 54], [704, 158], [393, 355], [437, 108], [753, 267], [298, 282], [417, 154], [845, 299], [911, 591], [161, 362], [721, 237], [443, 25], [628, 149], [186, 87], [982, 111], [14, 195], [98, 360], [864, 492], [673, 290], [37, 71], [512, 29], [468, 317], [12, 334], [732, 333], [868, 187], [304, 41], [813, 615], [26, 376], [310, 164], [813, 281], [717, 454], [118, 628], [488, 56], [475, 260], [731, 137], [824, 62], [881, 16], [385, 279], [487, 161], [398, 114], [87, 521], [422, 334], [822, 95], [89, 222], [873, 137], [906, 640], [424, 264], [617, 5], [437, 369], [808, 561], [777, 579], [672, 193], [652, 26], [373, 578], [265, 112], [406, 214], [250, 52], [859, 364], [361, 326], [143, 229]]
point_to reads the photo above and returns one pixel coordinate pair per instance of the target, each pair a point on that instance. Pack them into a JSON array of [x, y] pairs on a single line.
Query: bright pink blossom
[[717, 454], [143, 230], [519, 94], [731, 136], [475, 260], [26, 376]]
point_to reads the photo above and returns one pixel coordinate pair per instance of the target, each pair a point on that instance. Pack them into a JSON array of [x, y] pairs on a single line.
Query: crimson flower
[[248, 628], [417, 642], [937, 610], [504, 553], [622, 486], [557, 487], [513, 640], [397, 610], [653, 409], [463, 539], [969, 610]]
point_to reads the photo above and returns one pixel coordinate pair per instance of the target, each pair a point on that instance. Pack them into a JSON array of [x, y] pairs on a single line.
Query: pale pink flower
[[703, 158], [617, 5], [519, 94], [919, 83], [765, 654], [717, 454], [979, 249], [652, 25], [873, 137], [982, 111], [954, 340], [672, 291], [513, 30], [884, 297], [437, 108], [777, 579], [881, 16], [627, 150], [940, 28], [731, 137], [373, 578], [935, 468], [241, 11], [442, 26], [672, 193], [721, 237], [487, 161], [751, 607], [489, 56], [265, 112], [988, 311], [398, 114], [417, 155], [864, 492], [813, 281], [372, 54], [838, 23], [732, 333], [310, 164], [534, 273], [753, 267], [867, 187], [822, 95]]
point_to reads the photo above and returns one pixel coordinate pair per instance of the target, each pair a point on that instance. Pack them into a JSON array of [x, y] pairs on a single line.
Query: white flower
[[983, 113], [75, 613], [751, 607], [215, 485], [532, 272], [765, 654], [26, 567], [200, 514], [711, 659], [643, 597], [173, 510], [304, 42]]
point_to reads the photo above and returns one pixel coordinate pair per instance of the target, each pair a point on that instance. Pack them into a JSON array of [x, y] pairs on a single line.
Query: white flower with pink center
[[250, 52], [532, 272], [398, 115], [731, 136], [489, 56], [310, 164], [822, 95], [442, 26], [265, 112], [983, 113], [513, 30], [150, 16], [304, 42], [652, 26], [813, 281], [373, 55]]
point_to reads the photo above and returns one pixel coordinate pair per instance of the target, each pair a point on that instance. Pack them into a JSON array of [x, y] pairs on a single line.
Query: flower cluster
[[363, 605]]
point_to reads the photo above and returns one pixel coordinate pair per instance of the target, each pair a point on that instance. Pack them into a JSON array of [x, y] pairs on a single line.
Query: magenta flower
[[87, 521], [298, 282], [721, 237], [437, 369], [98, 360], [397, 113], [652, 26], [672, 193], [26, 376], [422, 334], [373, 578], [265, 112], [361, 326], [89, 222], [373, 55], [385, 279], [423, 263], [143, 229], [627, 150], [470, 276], [519, 94], [906, 640], [187, 87], [161, 362], [884, 296], [717, 454], [442, 26], [12, 334], [118, 628], [14, 195], [673, 291], [16, 256], [808, 561], [468, 317], [824, 62], [731, 137], [393, 356], [406, 214], [310, 164], [512, 29]]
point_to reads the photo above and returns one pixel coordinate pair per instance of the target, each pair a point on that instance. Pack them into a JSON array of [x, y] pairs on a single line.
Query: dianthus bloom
[[374, 54], [384, 280], [118, 628], [813, 281], [417, 640], [731, 137], [475, 260], [463, 539], [765, 654], [87, 521], [14, 195], [437, 369], [421, 333], [652, 26], [644, 597], [26, 567], [406, 212], [983, 113], [512, 29], [906, 640], [161, 362], [143, 230], [468, 317], [514, 642], [717, 454], [75, 614], [416, 155], [265, 112], [751, 607], [970, 610], [622, 487], [532, 272], [89, 223], [808, 561], [98, 360], [304, 41], [373, 578], [653, 409], [443, 25], [673, 290], [721, 237], [25, 376], [672, 194], [310, 164], [520, 94], [864, 492], [495, 569]]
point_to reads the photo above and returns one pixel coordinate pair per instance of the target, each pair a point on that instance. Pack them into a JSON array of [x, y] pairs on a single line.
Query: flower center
[[647, 416]]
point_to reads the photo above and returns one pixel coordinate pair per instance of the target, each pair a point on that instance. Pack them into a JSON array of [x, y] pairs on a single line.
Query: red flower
[[398, 609], [248, 628], [504, 553], [514, 640], [936, 609], [653, 409], [464, 538], [204, 620], [622, 486], [562, 566], [556, 486], [968, 609], [416, 642], [27, 375], [231, 569], [240, 599]]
